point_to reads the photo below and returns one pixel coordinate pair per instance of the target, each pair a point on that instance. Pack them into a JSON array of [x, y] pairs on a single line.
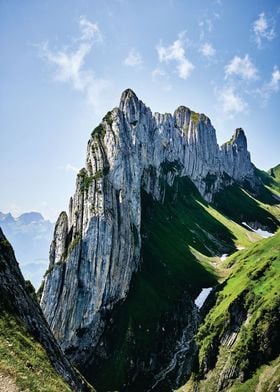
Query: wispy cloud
[[205, 27], [271, 87], [207, 21], [275, 79], [161, 77], [89, 31], [231, 102], [70, 168], [207, 50], [242, 67], [133, 59], [158, 73], [176, 53], [264, 29], [70, 63]]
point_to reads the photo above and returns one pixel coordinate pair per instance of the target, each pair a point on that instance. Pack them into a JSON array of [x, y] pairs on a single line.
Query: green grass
[[172, 232], [271, 179], [265, 379], [99, 132], [240, 206], [275, 172], [195, 117], [24, 359], [253, 286], [108, 118]]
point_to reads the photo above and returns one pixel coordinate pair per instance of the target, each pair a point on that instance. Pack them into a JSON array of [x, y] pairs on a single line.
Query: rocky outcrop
[[97, 246], [17, 300], [236, 158]]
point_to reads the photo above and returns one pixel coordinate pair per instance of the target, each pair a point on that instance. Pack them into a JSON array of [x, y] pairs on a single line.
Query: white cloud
[[207, 50], [133, 59], [71, 168], [242, 67], [271, 87], [70, 63], [263, 29], [176, 53], [158, 73], [205, 26], [207, 22], [89, 30], [231, 102], [275, 79]]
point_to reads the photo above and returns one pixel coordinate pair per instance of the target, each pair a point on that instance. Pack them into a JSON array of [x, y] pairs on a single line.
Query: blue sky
[[65, 63]]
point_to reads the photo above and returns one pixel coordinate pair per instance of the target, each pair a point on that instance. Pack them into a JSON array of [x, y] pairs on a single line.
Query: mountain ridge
[[98, 246]]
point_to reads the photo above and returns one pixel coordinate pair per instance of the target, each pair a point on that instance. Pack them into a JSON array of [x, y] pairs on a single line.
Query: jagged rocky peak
[[131, 106], [238, 138], [59, 243], [236, 158], [100, 242], [182, 117], [127, 97]]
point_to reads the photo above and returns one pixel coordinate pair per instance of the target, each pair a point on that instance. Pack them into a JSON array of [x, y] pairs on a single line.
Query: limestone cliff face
[[96, 247]]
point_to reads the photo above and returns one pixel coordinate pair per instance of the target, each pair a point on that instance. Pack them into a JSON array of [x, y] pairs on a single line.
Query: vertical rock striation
[[96, 247]]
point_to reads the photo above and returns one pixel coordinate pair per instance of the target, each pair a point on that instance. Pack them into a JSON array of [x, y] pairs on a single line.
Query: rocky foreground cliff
[[148, 178], [29, 354]]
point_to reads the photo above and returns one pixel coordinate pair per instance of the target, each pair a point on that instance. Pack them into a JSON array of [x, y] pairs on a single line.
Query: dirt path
[[7, 384]]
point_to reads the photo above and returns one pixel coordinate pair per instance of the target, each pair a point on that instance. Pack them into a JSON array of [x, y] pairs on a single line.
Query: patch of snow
[[199, 301], [262, 233]]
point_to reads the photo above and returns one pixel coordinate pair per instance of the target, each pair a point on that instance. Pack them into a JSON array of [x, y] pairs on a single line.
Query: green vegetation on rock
[[195, 117], [240, 206], [247, 303], [271, 179], [99, 131], [108, 118]]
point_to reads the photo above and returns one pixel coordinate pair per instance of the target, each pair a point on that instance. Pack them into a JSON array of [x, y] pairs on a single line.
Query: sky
[[65, 63]]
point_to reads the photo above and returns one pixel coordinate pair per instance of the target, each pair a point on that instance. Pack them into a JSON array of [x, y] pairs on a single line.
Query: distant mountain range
[[30, 235]]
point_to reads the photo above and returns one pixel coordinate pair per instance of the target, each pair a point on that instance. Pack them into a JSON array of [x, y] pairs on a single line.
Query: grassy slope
[[271, 179], [265, 379], [168, 270], [240, 206], [25, 360], [254, 285]]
